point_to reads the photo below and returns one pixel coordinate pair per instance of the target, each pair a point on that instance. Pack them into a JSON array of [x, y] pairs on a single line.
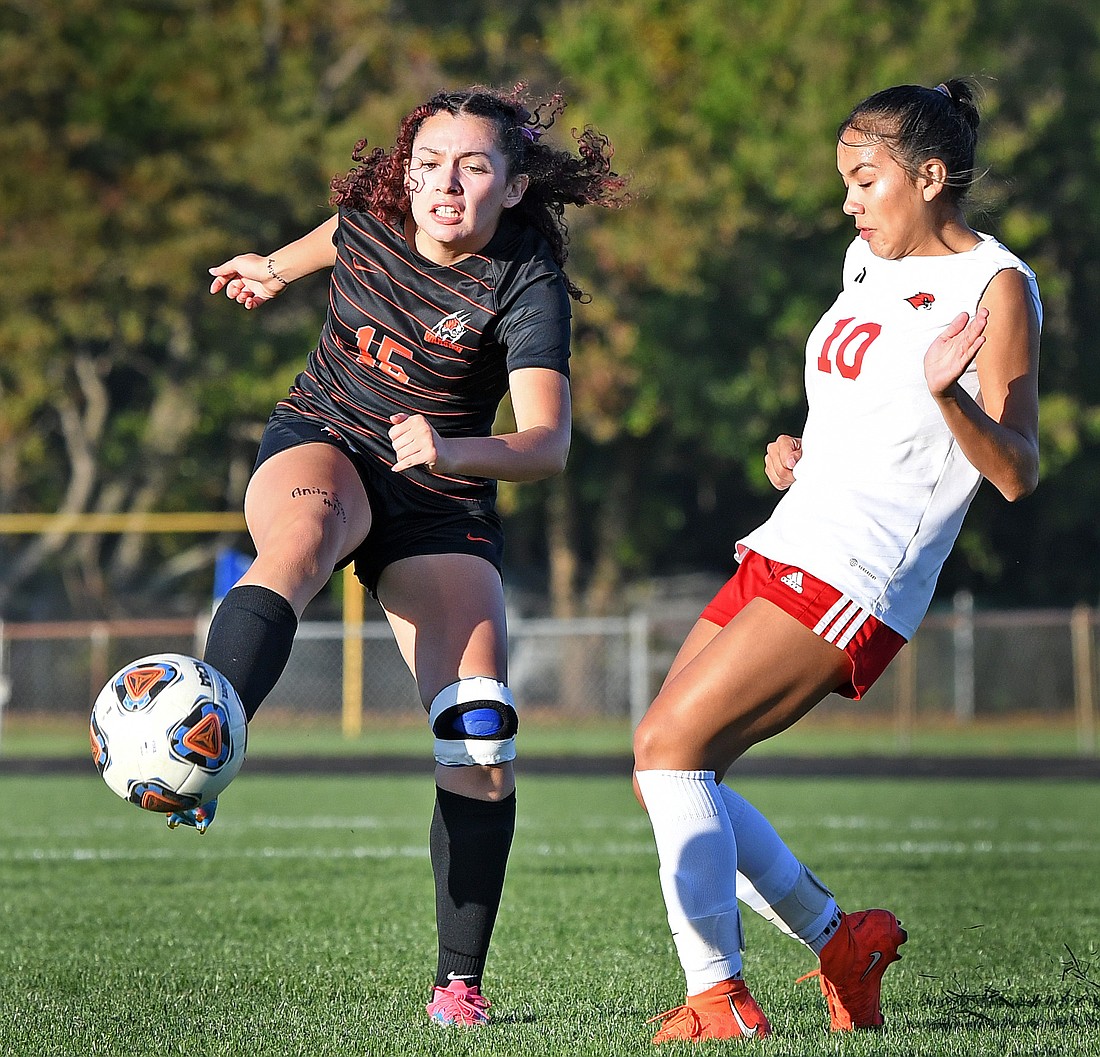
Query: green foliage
[[145, 141], [727, 113]]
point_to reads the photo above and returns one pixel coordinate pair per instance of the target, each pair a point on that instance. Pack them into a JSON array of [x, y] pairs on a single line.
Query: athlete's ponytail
[[918, 123]]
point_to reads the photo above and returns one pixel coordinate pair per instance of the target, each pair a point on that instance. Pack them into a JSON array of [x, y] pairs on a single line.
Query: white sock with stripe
[[697, 852], [773, 882]]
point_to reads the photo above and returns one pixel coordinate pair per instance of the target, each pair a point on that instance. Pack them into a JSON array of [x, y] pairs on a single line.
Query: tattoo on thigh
[[329, 499]]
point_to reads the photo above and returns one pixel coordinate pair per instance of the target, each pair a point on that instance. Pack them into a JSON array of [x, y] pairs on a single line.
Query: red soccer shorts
[[835, 617]]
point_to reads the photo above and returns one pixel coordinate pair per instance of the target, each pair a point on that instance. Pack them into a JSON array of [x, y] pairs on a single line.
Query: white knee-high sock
[[773, 882], [698, 870]]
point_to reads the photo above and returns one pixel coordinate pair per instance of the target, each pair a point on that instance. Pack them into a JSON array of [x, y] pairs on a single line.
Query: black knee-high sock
[[470, 841], [249, 641]]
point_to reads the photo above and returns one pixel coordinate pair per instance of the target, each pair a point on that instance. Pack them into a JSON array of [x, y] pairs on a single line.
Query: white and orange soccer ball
[[168, 733]]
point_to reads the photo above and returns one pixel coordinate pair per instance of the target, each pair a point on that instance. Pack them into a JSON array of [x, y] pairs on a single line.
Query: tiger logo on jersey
[[449, 330], [921, 300]]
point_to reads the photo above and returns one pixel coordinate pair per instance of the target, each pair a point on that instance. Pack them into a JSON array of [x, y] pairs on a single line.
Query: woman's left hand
[[415, 443], [953, 351]]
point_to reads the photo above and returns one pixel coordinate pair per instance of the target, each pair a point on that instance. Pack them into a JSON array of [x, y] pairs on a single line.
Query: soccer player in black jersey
[[447, 291]]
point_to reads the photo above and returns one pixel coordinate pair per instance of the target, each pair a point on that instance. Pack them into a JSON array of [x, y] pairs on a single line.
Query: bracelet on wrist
[[274, 274]]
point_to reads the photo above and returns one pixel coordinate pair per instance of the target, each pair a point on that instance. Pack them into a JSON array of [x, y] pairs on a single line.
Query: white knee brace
[[474, 722]]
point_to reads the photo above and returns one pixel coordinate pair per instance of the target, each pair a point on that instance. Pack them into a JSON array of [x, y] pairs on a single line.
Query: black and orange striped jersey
[[406, 335]]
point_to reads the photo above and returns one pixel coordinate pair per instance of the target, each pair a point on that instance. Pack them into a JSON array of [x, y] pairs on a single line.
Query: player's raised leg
[[306, 509], [855, 949]]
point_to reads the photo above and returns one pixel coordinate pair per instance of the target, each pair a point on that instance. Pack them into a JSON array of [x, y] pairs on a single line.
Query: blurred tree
[[144, 140], [1042, 109], [709, 286], [131, 132], [691, 360]]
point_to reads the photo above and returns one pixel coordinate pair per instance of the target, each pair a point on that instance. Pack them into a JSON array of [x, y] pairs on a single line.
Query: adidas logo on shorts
[[793, 581]]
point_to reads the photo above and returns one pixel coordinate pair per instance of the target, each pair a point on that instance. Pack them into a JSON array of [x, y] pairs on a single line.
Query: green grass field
[[301, 924], [823, 733]]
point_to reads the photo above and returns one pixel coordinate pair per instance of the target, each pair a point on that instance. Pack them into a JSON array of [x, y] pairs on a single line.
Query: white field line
[[83, 840], [114, 825], [593, 852], [227, 854]]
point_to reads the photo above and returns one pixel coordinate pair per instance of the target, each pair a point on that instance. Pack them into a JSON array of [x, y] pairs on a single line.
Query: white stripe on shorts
[[842, 622]]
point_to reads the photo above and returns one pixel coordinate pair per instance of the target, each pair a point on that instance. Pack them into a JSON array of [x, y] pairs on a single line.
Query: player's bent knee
[[656, 747], [474, 722]]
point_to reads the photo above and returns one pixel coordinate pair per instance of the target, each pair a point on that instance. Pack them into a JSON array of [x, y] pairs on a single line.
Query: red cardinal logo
[[921, 300]]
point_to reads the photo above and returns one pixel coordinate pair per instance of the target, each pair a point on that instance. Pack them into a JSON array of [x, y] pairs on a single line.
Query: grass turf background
[[302, 922]]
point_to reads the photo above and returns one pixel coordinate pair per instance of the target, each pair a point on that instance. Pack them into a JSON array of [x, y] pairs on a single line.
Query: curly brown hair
[[556, 178]]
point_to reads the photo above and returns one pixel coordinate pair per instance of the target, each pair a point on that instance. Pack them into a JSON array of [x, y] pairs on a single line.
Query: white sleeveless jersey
[[882, 488]]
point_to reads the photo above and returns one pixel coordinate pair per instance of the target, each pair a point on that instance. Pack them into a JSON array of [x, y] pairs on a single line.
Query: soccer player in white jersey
[[921, 380]]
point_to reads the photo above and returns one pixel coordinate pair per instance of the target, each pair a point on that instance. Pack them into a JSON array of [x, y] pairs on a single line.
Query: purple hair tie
[[530, 134]]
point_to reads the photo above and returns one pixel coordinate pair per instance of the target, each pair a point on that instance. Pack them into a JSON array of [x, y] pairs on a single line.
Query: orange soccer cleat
[[726, 1011], [852, 965]]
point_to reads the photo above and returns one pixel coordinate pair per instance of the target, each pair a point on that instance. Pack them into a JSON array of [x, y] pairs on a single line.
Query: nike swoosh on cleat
[[876, 956], [745, 1030], [476, 539]]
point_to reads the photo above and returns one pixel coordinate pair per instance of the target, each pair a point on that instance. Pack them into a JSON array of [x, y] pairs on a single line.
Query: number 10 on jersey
[[849, 354]]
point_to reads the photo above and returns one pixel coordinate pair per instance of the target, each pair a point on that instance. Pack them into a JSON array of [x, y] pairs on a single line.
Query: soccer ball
[[168, 733]]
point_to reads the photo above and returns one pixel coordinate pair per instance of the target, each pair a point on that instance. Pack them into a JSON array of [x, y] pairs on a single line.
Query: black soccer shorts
[[406, 519]]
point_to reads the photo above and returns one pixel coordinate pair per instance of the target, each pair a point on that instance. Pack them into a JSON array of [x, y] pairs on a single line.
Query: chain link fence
[[964, 664]]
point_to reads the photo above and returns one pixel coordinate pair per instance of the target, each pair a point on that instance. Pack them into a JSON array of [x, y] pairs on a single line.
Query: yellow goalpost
[[212, 522], [90, 523]]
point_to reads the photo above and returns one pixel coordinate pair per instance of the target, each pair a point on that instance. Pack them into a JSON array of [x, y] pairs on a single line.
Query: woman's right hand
[[246, 280], [779, 463]]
